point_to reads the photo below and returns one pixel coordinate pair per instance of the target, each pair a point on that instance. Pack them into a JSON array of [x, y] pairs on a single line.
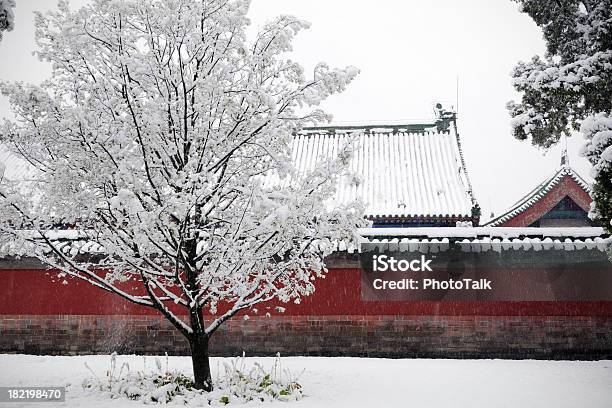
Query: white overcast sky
[[410, 54]]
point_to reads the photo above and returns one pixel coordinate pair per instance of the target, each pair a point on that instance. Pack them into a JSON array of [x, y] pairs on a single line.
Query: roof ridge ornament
[[565, 163], [564, 156], [444, 117]]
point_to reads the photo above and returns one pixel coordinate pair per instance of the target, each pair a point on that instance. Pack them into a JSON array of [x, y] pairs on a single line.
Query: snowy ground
[[362, 382]]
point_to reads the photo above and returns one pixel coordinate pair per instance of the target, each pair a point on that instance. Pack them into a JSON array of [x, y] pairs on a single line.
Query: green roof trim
[[412, 127]]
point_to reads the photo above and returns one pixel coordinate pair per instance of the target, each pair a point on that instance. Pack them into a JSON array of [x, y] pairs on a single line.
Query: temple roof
[[400, 171], [539, 192]]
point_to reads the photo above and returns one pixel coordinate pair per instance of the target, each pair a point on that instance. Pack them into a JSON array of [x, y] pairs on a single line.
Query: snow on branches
[[571, 87], [7, 17], [597, 130], [556, 95], [165, 135], [574, 80]]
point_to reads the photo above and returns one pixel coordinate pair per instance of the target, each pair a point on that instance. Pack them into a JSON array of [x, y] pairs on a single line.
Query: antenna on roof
[[457, 97]]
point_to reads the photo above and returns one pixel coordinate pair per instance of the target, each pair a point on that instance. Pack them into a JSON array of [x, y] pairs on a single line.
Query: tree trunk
[[199, 358]]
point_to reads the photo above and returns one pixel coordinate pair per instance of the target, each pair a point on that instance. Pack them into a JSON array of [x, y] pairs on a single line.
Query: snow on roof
[[401, 171], [479, 239], [483, 239], [539, 192], [492, 244], [424, 239], [483, 232]]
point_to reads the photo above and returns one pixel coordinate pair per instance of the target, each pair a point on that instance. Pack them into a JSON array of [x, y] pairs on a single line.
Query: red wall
[[37, 292]]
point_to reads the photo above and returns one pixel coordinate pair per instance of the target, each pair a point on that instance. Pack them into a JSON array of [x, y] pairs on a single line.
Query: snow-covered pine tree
[[7, 17], [570, 88], [164, 136]]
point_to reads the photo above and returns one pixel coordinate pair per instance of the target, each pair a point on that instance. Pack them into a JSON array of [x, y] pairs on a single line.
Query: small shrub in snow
[[235, 384]]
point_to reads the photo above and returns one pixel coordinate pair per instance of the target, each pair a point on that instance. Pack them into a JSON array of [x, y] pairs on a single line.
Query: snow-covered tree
[[164, 137], [7, 17], [570, 88]]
